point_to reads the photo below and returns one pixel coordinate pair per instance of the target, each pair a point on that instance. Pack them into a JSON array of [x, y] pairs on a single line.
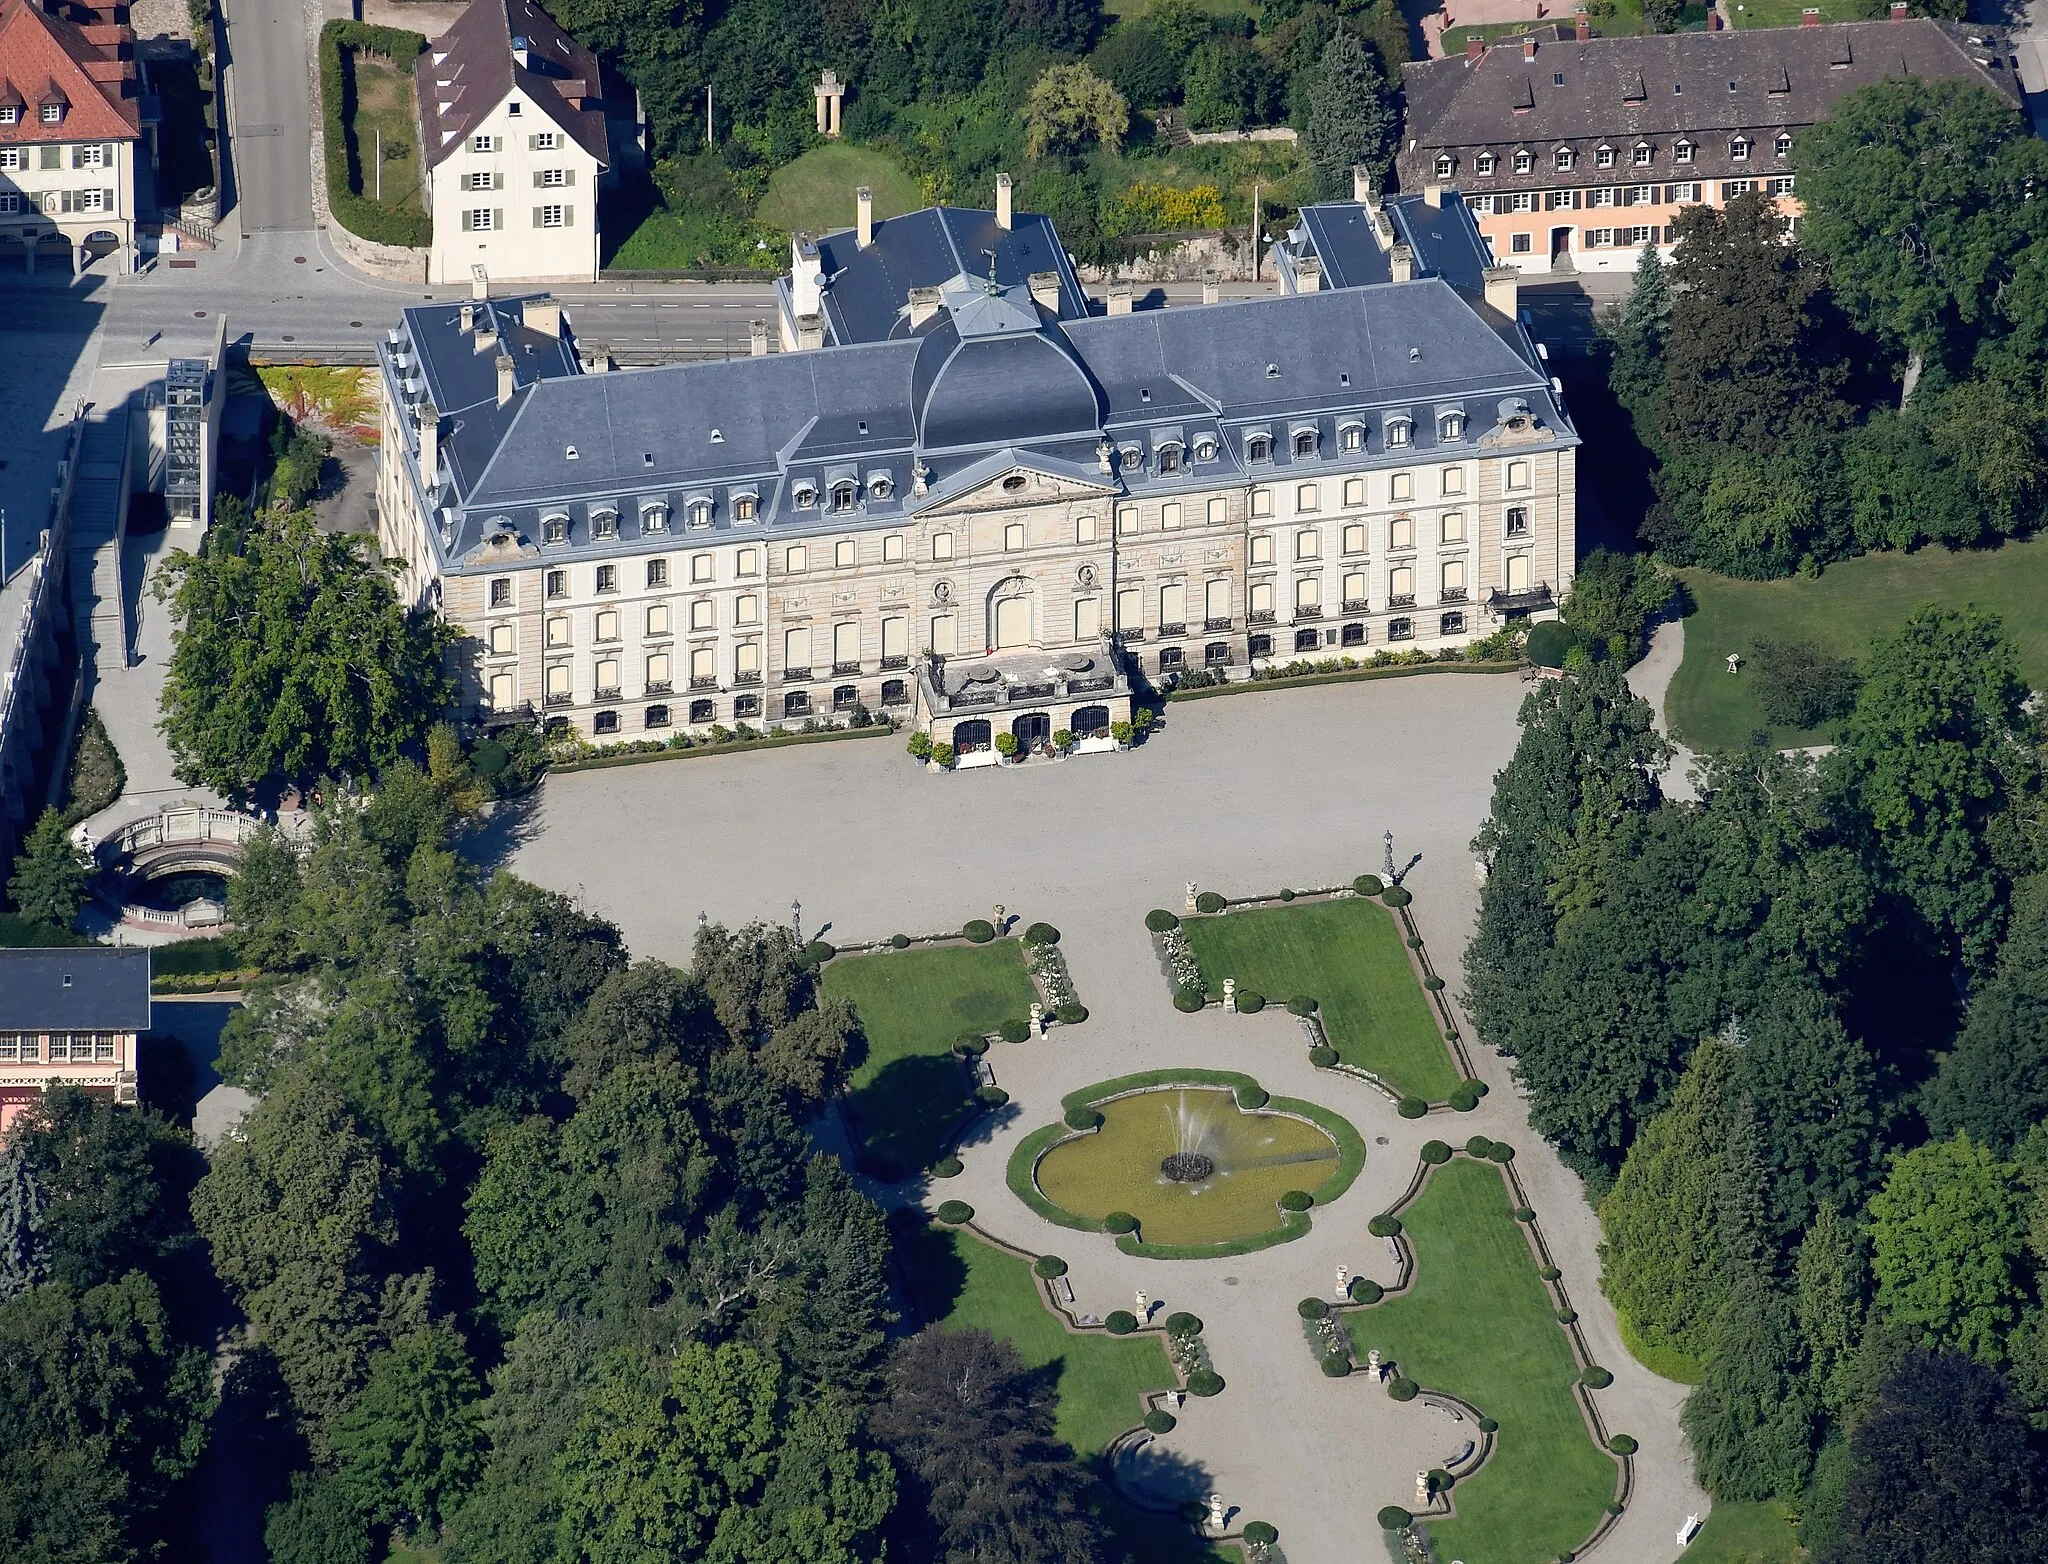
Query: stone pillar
[[1191, 895], [1037, 1018], [1343, 1281], [1422, 1490], [826, 96], [1216, 1510]]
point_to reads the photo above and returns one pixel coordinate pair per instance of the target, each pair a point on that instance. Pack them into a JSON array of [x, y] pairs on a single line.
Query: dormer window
[[845, 494], [803, 496], [9, 114], [1523, 161], [1483, 164], [1642, 154], [1398, 431], [1205, 450], [1682, 153], [654, 518], [1783, 145], [1603, 157], [1738, 150], [554, 529], [1258, 448], [53, 113], [1304, 443], [1563, 158], [1444, 166], [1130, 458], [1351, 438], [1451, 427], [880, 487], [604, 525], [699, 513], [743, 507], [1169, 458]]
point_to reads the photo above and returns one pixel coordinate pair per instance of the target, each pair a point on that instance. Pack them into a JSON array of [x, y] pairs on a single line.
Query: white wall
[[517, 246]]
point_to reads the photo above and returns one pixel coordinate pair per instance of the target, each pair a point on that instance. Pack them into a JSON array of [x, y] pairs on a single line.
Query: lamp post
[[796, 921], [1389, 875]]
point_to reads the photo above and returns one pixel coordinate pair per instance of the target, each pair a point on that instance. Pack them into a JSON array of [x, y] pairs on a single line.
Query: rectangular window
[[1401, 532], [607, 578], [544, 140], [1519, 244], [703, 663], [1308, 593], [743, 507], [558, 682], [1518, 475], [746, 660], [1403, 487], [1013, 537], [657, 619], [845, 554], [501, 592], [483, 143], [1126, 519], [558, 630], [13, 158], [1169, 515], [1731, 188], [1308, 544], [942, 634], [1517, 523], [50, 157], [796, 648], [607, 677], [1354, 538], [1308, 497], [481, 181], [607, 625], [1258, 599], [1087, 618], [551, 178], [942, 545], [1354, 591], [846, 644], [1354, 491], [703, 614], [1262, 502], [1085, 528], [558, 583], [504, 640], [1454, 526], [479, 219], [1130, 609], [657, 572], [1401, 586], [1453, 480], [1520, 201], [746, 609], [892, 549], [1518, 572], [90, 155], [701, 567], [1173, 606], [9, 202], [1782, 185], [504, 686], [551, 217], [747, 562], [1216, 601], [1219, 511], [1454, 575], [1607, 195], [53, 113], [1262, 548], [1599, 238], [794, 560], [658, 676], [895, 637]]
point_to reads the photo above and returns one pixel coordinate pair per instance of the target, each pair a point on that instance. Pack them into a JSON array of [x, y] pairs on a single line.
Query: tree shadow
[[904, 1117], [215, 1515], [493, 842], [930, 1273]]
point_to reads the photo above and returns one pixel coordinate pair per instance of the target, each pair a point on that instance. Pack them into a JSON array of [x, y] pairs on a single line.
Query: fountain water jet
[[1197, 1139]]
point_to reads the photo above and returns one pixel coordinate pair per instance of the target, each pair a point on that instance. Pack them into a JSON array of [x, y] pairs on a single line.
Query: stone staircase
[[99, 508]]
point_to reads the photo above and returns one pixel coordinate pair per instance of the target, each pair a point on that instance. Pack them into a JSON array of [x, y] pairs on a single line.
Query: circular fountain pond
[[1188, 1163]]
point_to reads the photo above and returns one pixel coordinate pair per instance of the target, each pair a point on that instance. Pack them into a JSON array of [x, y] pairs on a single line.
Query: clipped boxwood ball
[[1394, 1518], [1385, 1225], [1488, 1426], [1415, 942], [954, 1212], [1441, 1481], [1478, 1146], [1210, 901], [1433, 983], [1253, 1097], [1312, 1309], [1121, 1322], [1189, 999], [991, 1096], [1501, 1151], [1049, 1266], [1402, 1389], [1301, 1005], [1412, 1108], [1296, 1200], [1594, 1377], [1613, 1508], [1368, 885], [1524, 1214], [1435, 1153], [980, 930], [1159, 920], [1083, 1118], [971, 1043], [1160, 1421], [1119, 1222], [1250, 1002], [1623, 1444], [899, 941], [1336, 1364], [1072, 1013], [1322, 1056], [1463, 1099], [1550, 1273], [946, 1167], [817, 953], [1567, 1316], [1014, 1031], [1261, 1534], [1182, 1323], [1205, 1382], [1365, 1290], [1041, 934], [1286, 894], [1396, 896]]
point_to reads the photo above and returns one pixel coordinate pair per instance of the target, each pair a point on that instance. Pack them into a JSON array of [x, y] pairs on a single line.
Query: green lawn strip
[[1789, 13], [384, 104], [1339, 676], [909, 1091], [1348, 956], [1477, 1323], [1746, 1534], [1841, 610], [814, 194], [1667, 1361]]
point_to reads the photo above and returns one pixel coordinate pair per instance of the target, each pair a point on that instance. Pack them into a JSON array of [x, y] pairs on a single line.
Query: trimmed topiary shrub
[[1301, 1005], [1072, 1013], [1014, 1031], [1261, 1534], [1478, 1146], [1296, 1200], [899, 941], [1368, 885], [1415, 942], [979, 930], [1613, 1508], [1083, 1118], [1159, 920], [1189, 999], [1041, 934], [1501, 1151], [954, 1212], [1623, 1444], [1182, 1323], [1385, 1225], [1336, 1364], [1488, 1426], [972, 1044], [1396, 896], [1567, 1316], [946, 1167], [1286, 894], [1160, 1421], [1402, 1389], [1121, 1322], [1412, 1108], [1441, 1481], [1435, 1153], [1210, 901], [1548, 642], [1463, 1099], [1205, 1382], [1433, 983], [1119, 1222], [991, 1096], [1594, 1377], [1392, 1516], [1049, 1266], [1365, 1290], [1550, 1273], [1250, 1002], [1312, 1309], [1524, 1214], [817, 953], [1322, 1056], [1252, 1097]]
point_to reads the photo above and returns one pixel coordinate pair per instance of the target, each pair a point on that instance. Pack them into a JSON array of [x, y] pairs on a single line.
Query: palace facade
[[967, 499]]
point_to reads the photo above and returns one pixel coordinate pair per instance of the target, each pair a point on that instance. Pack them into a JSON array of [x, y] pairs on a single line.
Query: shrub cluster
[[1160, 1421], [1396, 896], [1252, 1097], [1322, 1056], [1041, 934], [1159, 920], [1479, 1146], [1312, 1309], [1049, 1266], [1336, 1364], [1433, 983], [1121, 1322], [818, 952], [1250, 1002], [1402, 1389], [1623, 1444], [1384, 1225], [954, 1212], [1014, 1031], [1435, 1153], [1072, 1013], [1365, 1290], [1286, 894], [340, 43], [1368, 885], [991, 1096], [1182, 1323], [1501, 1151], [1393, 1518], [1083, 1118], [1301, 1005], [970, 1045], [1189, 999], [1594, 1377], [1524, 1214], [1412, 1108], [946, 1167], [1464, 1096], [979, 930], [1488, 1426], [899, 941], [1261, 1534], [1296, 1200], [1211, 901], [1119, 1222], [1567, 1316], [1205, 1382], [1551, 1273]]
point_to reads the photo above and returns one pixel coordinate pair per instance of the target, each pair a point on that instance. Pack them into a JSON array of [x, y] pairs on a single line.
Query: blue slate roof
[[84, 988]]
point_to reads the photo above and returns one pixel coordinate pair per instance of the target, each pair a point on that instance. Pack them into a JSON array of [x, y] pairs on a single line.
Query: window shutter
[[78, 157], [569, 175], [536, 217], [536, 179], [568, 217], [533, 143], [468, 220], [107, 199], [110, 152], [497, 181], [498, 219]]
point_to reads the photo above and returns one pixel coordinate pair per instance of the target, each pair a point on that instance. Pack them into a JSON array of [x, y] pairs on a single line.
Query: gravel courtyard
[[1243, 793]]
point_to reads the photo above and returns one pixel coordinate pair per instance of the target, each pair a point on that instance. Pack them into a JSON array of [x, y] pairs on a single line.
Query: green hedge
[[1049, 1266], [357, 213]]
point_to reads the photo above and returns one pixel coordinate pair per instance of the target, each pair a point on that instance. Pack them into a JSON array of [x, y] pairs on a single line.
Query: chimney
[[1713, 20], [1810, 17], [864, 205], [486, 334], [479, 283], [1363, 192], [1433, 194], [1503, 289], [757, 339], [1212, 286], [924, 304], [1402, 261], [1529, 47], [1003, 201], [428, 419], [810, 331], [507, 381], [1119, 298], [1898, 10], [543, 316], [521, 52], [1308, 274], [1583, 27], [466, 318], [1475, 48], [1045, 291], [806, 283]]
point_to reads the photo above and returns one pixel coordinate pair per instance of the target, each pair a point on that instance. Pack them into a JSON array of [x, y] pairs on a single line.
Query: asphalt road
[[270, 112]]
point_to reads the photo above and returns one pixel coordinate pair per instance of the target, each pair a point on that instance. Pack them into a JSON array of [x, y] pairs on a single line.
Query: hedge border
[[355, 212], [1341, 676], [1021, 1173], [730, 747]]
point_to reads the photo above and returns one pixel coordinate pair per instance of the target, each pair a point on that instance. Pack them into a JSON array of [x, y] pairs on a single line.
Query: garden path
[[1651, 679]]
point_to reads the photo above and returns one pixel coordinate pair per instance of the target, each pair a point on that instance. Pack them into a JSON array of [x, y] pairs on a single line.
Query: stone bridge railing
[[186, 826]]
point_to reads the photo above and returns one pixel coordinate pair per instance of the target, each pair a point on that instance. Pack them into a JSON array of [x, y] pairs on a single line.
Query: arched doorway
[[1091, 721], [971, 736], [1012, 622], [1032, 729]]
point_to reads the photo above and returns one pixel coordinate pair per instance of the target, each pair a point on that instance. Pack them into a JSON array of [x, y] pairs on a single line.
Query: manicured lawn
[[814, 194], [909, 1092], [1786, 13], [384, 103], [1746, 1534], [1348, 956], [1850, 602], [1477, 1323]]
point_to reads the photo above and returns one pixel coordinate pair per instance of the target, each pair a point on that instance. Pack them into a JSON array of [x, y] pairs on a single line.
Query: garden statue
[[1191, 896], [1735, 662], [1037, 1018], [1216, 1510], [1343, 1280], [1422, 1490], [1372, 1363], [1230, 996], [1389, 873], [999, 917], [1144, 1306], [796, 921]]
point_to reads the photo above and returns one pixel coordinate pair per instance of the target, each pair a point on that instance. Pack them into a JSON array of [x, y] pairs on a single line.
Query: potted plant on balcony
[[1121, 732], [1006, 746]]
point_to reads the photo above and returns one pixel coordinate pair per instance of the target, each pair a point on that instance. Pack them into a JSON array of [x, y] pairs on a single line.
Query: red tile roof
[[90, 68]]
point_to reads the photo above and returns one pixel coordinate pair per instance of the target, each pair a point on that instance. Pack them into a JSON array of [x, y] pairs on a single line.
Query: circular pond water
[[1150, 1141]]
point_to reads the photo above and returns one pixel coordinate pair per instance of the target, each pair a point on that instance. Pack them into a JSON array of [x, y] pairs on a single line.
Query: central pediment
[[1009, 479]]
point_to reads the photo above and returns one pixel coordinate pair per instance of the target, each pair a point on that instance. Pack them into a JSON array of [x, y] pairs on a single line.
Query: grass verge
[[1477, 1323], [814, 194], [1341, 676], [910, 1091], [1348, 956], [1746, 1534]]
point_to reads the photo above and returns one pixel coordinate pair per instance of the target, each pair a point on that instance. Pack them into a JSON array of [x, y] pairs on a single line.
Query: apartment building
[[72, 133], [70, 1016], [984, 508], [1574, 152]]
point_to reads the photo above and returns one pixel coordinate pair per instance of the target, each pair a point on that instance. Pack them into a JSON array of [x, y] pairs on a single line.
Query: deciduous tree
[[1994, 1083], [1948, 1245], [1071, 106]]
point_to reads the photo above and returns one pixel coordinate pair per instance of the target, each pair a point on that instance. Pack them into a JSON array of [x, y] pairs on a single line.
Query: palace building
[[1576, 152], [966, 496]]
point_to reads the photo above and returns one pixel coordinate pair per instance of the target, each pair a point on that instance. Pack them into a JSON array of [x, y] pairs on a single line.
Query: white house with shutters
[[513, 117]]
